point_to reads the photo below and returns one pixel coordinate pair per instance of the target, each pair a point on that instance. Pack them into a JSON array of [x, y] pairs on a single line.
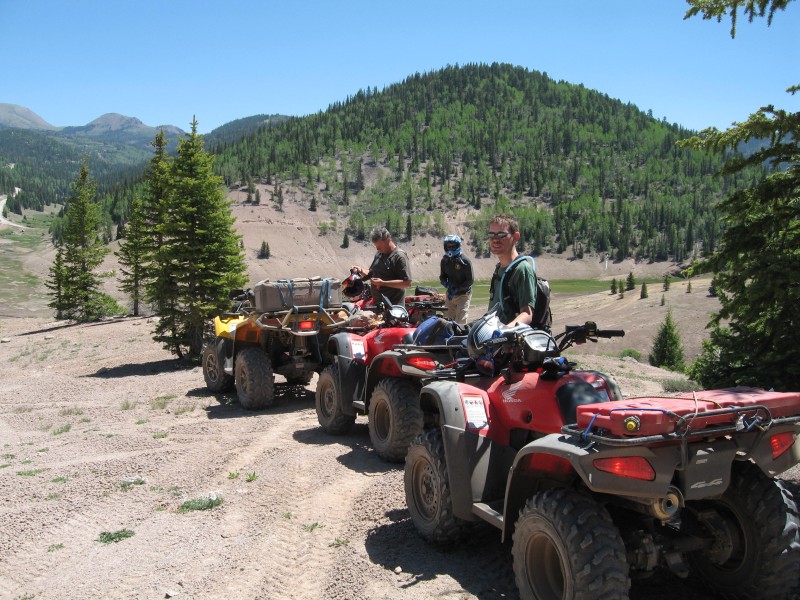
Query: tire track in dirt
[[295, 524]]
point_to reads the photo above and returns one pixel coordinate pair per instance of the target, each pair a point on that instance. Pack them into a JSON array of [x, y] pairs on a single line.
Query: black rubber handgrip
[[607, 333]]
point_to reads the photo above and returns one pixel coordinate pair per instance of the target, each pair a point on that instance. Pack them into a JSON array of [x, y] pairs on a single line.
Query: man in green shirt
[[520, 291], [390, 272]]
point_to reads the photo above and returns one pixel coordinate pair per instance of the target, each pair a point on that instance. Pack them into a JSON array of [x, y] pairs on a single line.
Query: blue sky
[[167, 60]]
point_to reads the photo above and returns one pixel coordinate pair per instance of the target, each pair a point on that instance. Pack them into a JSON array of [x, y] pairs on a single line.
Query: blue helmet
[[452, 245]]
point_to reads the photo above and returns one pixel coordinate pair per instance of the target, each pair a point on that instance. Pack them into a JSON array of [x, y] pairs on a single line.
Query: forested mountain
[[232, 132], [580, 169], [41, 160]]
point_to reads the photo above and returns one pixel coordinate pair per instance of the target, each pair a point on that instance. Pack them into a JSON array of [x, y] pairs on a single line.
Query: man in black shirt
[[456, 276], [390, 272]]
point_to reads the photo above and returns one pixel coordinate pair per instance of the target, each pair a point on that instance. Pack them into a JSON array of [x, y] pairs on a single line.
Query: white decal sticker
[[475, 412], [510, 391]]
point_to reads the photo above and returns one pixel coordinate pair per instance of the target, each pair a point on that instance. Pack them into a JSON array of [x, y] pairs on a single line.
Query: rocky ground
[[103, 432]]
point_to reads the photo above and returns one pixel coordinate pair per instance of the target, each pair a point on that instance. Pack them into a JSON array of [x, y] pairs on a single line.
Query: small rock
[[398, 570], [5, 340], [170, 594], [49, 337]]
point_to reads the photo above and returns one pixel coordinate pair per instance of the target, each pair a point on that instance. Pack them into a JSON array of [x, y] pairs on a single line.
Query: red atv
[[596, 490], [426, 302], [378, 373]]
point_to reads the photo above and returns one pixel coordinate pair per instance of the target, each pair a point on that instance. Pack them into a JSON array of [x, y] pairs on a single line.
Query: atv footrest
[[488, 514]]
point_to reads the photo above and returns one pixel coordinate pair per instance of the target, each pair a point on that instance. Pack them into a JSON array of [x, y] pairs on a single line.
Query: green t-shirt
[[520, 288]]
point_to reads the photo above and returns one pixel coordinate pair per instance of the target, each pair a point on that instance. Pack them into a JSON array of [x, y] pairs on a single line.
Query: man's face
[[382, 246], [499, 243]]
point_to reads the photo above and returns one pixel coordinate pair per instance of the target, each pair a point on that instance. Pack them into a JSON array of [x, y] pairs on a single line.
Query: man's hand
[[377, 282]]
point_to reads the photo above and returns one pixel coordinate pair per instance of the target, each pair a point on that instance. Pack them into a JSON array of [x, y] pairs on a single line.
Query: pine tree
[[158, 183], [409, 229], [346, 241], [756, 264], [630, 282], [689, 287], [643, 294], [313, 207], [666, 282], [613, 286], [263, 252], [75, 285], [200, 249], [56, 284], [621, 291], [667, 348], [133, 255]]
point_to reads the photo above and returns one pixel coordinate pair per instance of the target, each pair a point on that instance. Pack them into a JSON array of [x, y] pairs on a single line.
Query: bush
[[679, 385], [634, 354]]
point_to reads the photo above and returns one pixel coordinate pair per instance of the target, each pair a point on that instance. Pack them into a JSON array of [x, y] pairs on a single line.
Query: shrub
[[634, 354], [667, 348]]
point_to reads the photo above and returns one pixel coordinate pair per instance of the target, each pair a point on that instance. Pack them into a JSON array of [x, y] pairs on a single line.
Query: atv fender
[[386, 364], [556, 459], [352, 373], [476, 466]]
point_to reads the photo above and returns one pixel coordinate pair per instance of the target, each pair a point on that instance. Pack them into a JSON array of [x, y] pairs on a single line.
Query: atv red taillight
[[306, 325], [632, 467], [780, 443], [422, 362]]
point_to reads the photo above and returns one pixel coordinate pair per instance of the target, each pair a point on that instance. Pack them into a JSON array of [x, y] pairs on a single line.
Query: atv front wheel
[[755, 526], [255, 382], [328, 402], [217, 380], [395, 418], [428, 490], [567, 548]]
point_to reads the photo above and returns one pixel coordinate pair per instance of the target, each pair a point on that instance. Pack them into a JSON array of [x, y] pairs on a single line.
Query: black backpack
[[542, 317]]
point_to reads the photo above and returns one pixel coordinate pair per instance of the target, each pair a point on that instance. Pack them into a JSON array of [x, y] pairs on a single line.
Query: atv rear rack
[[745, 419]]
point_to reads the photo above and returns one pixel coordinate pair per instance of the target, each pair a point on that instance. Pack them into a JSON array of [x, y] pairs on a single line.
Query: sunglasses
[[497, 235], [451, 246]]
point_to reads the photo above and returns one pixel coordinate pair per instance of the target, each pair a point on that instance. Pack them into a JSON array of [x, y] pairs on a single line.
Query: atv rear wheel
[[567, 548], [395, 418], [213, 367], [756, 553], [428, 490], [255, 382], [328, 402]]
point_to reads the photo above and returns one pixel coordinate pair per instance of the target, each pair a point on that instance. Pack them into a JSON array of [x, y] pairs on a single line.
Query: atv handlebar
[[579, 334]]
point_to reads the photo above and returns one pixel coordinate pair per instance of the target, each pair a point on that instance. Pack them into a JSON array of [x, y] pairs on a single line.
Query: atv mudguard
[[352, 373], [226, 328], [476, 467]]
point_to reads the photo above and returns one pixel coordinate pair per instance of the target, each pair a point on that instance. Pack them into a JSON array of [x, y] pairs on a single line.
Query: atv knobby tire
[[762, 524], [428, 490], [395, 418], [567, 548], [213, 367], [255, 382], [328, 402]]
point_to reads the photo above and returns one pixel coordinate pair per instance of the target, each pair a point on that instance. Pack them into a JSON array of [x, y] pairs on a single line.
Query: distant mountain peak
[[114, 122], [14, 115]]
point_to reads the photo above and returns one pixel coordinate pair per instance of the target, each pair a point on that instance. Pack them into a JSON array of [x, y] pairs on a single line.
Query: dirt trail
[[102, 431]]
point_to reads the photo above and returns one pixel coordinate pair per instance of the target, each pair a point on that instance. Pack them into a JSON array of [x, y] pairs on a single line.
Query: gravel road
[[103, 432]]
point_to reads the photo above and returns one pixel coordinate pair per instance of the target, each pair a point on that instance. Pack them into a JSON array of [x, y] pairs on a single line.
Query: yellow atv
[[279, 328]]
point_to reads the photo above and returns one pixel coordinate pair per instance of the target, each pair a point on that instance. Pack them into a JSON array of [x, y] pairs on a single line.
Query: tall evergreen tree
[[630, 282], [81, 253], [667, 349], [56, 284], [158, 183], [133, 255], [643, 294], [200, 250], [757, 262]]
